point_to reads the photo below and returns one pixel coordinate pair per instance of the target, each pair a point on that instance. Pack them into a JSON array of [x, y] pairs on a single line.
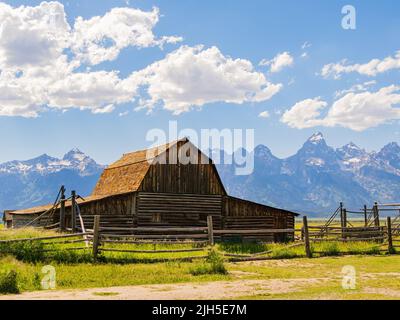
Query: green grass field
[[378, 274]]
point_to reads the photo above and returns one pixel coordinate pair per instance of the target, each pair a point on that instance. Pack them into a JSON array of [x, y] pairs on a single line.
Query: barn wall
[[21, 220], [242, 214], [123, 204], [169, 175], [166, 209], [190, 179], [117, 211]]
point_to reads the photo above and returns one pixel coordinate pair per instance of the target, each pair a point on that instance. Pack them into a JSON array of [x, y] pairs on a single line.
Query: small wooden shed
[[171, 185]]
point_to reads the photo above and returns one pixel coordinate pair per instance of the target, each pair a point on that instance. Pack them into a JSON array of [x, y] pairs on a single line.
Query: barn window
[[156, 217]]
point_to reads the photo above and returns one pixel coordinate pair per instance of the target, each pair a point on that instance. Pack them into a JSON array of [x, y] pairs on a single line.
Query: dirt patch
[[242, 274], [383, 291], [190, 291], [279, 263], [374, 275]]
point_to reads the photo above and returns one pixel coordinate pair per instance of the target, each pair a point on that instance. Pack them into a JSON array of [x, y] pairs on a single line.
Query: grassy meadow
[[76, 269]]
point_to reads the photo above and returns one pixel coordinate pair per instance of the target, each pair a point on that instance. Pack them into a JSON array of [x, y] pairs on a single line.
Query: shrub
[[330, 249], [283, 253], [248, 248], [9, 282], [36, 281], [214, 264], [28, 251]]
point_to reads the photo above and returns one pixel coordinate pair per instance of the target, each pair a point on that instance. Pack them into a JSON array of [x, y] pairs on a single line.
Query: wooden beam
[[73, 210], [210, 230], [389, 234], [306, 238], [62, 209], [96, 236]]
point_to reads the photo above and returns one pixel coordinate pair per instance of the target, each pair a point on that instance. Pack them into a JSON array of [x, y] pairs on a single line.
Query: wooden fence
[[104, 238], [382, 236]]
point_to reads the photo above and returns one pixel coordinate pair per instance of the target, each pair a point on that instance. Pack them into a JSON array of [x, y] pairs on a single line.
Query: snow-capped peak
[[352, 146], [316, 138], [75, 154], [73, 160], [392, 147], [351, 150]]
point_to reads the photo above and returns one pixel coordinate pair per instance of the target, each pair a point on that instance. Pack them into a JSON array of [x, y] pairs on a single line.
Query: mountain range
[[318, 177], [37, 181], [312, 181]]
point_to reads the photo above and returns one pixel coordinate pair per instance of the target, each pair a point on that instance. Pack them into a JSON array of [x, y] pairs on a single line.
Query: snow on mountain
[[73, 160], [353, 157], [318, 177], [36, 181], [316, 138], [313, 181]]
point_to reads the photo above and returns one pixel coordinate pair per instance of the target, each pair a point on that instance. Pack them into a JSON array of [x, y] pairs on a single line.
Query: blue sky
[[250, 30]]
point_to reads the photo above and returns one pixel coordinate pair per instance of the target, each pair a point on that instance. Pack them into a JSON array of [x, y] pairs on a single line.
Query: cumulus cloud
[[102, 38], [278, 63], [306, 45], [304, 113], [355, 88], [371, 68], [40, 54], [42, 58], [264, 114], [356, 111], [193, 76]]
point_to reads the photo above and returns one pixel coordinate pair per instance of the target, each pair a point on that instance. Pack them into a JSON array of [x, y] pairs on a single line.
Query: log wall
[[243, 214], [178, 210]]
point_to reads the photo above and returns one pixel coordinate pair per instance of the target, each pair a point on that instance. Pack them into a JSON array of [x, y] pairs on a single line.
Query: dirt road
[[182, 291]]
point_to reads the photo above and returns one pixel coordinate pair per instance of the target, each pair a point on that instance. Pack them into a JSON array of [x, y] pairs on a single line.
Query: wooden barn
[[175, 185]]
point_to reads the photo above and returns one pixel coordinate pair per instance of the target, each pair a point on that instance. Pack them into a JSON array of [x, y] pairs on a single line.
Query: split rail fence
[[102, 239]]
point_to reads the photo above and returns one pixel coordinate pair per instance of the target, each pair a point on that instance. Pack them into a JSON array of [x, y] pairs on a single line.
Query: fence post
[[365, 216], [73, 211], [306, 238], [210, 230], [376, 214], [62, 209], [390, 239], [96, 236], [344, 223], [341, 214]]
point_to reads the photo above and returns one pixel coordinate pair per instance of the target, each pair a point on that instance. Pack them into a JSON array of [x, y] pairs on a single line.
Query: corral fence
[[103, 239], [384, 238], [202, 238]]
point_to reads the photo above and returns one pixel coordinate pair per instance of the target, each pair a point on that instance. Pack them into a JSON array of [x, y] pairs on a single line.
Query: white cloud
[[278, 63], [93, 90], [32, 36], [355, 88], [102, 38], [193, 76], [304, 114], [40, 54], [306, 45], [123, 114], [42, 58], [371, 68], [106, 109], [264, 114], [356, 111]]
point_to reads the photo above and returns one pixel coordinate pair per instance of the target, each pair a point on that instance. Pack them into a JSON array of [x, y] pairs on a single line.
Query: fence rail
[[104, 239]]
